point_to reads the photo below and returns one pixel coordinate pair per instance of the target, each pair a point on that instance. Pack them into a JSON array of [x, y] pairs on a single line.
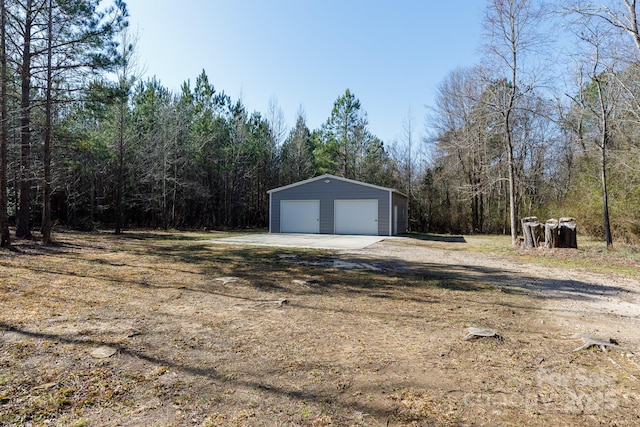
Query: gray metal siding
[[327, 192], [403, 211]]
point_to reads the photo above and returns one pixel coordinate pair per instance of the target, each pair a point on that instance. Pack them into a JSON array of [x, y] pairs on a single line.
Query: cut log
[[560, 233], [531, 231], [551, 233], [568, 234]]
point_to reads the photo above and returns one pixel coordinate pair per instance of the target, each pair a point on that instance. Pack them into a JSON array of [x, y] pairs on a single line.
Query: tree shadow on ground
[[262, 383], [435, 237], [263, 269], [262, 265], [262, 273]]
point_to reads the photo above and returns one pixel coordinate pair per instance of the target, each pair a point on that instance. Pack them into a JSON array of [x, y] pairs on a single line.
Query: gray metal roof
[[329, 176]]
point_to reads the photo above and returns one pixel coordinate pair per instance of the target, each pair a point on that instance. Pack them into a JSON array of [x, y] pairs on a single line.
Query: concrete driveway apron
[[315, 241]]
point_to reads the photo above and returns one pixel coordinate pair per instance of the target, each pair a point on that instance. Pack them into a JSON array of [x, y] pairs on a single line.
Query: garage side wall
[[402, 202], [326, 193]]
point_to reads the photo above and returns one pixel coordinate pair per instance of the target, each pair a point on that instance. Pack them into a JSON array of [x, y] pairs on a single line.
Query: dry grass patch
[[591, 254], [350, 347]]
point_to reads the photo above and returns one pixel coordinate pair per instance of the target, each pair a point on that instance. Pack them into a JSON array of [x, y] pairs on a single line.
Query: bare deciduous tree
[[462, 125], [619, 14], [511, 28], [598, 97]]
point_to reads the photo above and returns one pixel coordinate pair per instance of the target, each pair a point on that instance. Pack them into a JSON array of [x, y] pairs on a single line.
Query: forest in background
[[547, 124]]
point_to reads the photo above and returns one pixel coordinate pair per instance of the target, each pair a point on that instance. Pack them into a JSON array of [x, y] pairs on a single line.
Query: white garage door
[[300, 216], [356, 217]]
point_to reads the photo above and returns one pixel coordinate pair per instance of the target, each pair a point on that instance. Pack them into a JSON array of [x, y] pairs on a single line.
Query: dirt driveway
[[577, 301]]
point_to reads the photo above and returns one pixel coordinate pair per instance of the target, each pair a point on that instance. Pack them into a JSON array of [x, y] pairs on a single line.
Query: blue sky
[[390, 54]]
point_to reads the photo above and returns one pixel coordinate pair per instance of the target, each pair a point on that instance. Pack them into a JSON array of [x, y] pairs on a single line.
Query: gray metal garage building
[[329, 204]]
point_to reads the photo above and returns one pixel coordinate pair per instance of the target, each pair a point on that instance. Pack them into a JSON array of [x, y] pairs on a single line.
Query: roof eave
[[329, 176]]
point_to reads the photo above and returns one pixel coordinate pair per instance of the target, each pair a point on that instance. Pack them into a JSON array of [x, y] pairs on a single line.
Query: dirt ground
[[215, 335]]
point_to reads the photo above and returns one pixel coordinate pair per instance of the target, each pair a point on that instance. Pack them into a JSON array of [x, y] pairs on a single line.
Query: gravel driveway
[[579, 301]]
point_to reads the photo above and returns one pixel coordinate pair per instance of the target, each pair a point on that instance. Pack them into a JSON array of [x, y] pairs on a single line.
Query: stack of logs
[[556, 233]]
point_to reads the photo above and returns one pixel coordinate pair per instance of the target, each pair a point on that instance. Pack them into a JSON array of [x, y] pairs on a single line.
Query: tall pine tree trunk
[[5, 239], [46, 208], [119, 211], [23, 228]]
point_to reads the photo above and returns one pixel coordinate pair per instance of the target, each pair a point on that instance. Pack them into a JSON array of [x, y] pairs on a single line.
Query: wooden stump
[[551, 233], [568, 234], [531, 231], [560, 233]]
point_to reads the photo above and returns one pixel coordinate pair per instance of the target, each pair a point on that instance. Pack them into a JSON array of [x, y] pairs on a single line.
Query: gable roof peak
[[330, 176]]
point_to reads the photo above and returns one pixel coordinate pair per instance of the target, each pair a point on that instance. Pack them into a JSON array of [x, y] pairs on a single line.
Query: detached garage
[[331, 204]]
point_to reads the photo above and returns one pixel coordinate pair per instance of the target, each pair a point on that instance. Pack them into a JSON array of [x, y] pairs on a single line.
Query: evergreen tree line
[[86, 144], [197, 159]]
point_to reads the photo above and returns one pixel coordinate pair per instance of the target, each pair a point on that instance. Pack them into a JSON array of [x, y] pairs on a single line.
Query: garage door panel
[[356, 217], [300, 216]]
